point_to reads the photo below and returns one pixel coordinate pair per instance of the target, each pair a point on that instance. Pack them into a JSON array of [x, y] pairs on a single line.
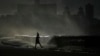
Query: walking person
[[37, 41]]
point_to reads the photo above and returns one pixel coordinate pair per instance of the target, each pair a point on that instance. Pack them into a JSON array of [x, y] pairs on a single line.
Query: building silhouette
[[89, 11], [81, 12], [84, 18], [94, 23]]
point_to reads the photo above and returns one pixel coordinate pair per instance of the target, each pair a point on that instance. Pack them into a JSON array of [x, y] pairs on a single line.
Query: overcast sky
[[31, 24], [73, 4]]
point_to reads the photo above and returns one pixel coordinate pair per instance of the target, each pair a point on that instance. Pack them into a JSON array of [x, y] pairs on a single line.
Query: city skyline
[[27, 19], [73, 5]]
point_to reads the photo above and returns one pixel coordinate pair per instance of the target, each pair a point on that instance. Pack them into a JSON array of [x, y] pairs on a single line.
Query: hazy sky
[[73, 4], [30, 23]]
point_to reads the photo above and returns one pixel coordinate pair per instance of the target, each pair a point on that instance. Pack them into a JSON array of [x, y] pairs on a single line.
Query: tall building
[[90, 17], [81, 12], [89, 11]]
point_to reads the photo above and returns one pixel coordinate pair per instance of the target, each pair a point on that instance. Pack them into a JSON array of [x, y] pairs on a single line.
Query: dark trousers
[[38, 43]]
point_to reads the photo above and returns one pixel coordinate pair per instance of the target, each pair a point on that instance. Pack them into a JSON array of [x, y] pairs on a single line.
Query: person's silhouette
[[37, 41]]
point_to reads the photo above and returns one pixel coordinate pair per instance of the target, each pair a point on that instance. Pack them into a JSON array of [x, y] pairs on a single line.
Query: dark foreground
[[32, 52]]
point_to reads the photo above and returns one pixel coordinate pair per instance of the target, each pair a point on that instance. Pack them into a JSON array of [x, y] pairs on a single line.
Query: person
[[37, 41]]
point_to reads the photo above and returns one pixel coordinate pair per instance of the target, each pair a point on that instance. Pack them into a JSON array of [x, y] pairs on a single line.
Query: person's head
[[37, 33]]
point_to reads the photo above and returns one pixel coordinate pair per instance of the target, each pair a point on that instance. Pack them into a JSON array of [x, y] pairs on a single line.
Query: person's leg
[[35, 45], [40, 45]]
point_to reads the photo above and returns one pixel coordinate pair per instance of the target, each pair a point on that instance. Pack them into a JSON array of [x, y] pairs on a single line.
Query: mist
[[28, 19]]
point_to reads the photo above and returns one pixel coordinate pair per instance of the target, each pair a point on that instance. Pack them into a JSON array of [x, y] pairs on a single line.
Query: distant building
[[89, 11], [94, 27], [81, 12]]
